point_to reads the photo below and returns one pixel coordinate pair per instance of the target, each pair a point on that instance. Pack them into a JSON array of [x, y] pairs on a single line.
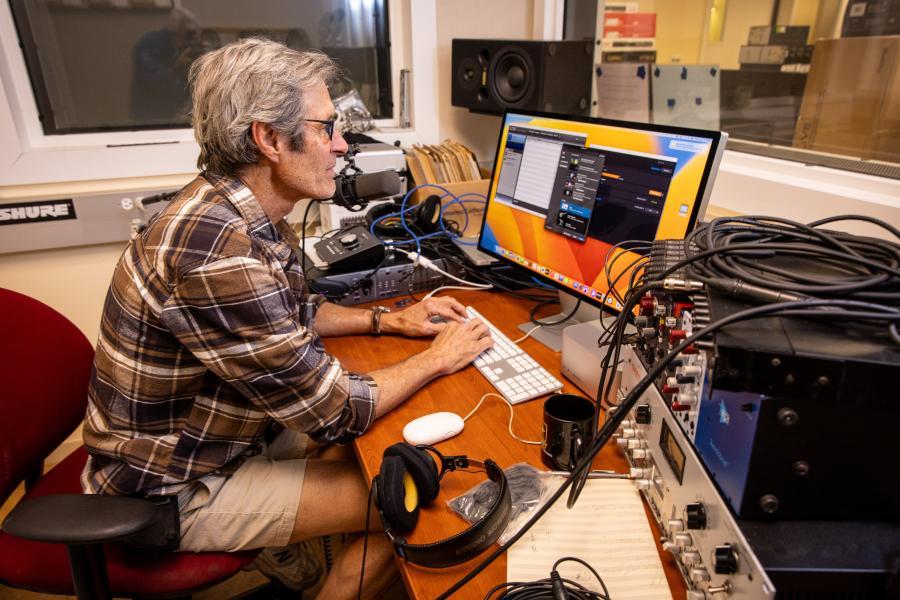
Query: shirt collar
[[248, 206]]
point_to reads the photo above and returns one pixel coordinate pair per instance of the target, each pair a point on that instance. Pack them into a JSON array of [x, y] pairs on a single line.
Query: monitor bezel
[[700, 201]]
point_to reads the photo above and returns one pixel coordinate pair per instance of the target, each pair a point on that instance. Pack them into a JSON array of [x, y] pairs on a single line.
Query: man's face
[[310, 171]]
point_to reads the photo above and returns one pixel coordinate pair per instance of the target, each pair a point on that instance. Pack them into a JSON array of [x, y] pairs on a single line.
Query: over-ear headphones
[[423, 218], [408, 479]]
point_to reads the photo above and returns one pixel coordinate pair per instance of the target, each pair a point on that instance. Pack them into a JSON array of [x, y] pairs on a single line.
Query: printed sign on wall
[[19, 213]]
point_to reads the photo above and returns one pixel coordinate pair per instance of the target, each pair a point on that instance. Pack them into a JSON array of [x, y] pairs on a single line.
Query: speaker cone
[[512, 76]]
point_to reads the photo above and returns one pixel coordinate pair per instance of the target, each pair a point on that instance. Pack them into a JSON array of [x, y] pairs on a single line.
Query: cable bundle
[[862, 286], [778, 254]]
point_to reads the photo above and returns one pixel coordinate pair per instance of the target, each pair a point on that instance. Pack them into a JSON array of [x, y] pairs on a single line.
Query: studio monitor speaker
[[492, 75]]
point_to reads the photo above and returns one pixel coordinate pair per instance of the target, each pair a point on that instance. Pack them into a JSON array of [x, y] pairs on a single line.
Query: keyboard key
[[516, 375]]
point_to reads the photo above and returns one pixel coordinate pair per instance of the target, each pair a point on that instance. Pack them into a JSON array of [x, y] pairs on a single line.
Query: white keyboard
[[517, 376]]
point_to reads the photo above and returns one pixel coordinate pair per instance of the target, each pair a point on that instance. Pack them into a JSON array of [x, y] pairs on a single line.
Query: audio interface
[[721, 556], [396, 277]]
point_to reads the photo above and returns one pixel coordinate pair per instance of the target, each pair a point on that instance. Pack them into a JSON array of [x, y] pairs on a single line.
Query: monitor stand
[[552, 335]]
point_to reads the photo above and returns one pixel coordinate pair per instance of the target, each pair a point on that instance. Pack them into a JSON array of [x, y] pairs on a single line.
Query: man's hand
[[458, 344], [426, 318], [455, 346]]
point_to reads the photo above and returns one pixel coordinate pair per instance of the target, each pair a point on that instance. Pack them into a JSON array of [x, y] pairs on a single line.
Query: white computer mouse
[[432, 428]]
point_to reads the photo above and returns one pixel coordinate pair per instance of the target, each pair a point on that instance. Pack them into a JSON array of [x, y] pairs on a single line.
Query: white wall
[[496, 19]]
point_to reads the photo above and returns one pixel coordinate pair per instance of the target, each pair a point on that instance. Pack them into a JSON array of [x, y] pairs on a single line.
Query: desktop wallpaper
[[578, 266]]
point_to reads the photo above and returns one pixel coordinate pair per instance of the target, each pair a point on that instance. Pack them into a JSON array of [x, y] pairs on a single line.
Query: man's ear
[[267, 140]]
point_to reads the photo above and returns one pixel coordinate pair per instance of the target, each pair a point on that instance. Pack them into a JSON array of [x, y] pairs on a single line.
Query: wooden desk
[[485, 436]]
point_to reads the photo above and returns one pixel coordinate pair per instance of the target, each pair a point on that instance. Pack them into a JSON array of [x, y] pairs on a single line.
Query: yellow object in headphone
[[411, 497]]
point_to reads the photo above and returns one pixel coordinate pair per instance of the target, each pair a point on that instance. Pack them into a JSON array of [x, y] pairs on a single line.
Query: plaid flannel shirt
[[207, 347]]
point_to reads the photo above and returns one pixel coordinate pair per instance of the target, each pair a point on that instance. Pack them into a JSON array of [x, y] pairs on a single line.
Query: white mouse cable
[[510, 406]]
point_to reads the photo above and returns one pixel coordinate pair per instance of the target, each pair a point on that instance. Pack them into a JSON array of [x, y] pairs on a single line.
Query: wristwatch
[[376, 318]]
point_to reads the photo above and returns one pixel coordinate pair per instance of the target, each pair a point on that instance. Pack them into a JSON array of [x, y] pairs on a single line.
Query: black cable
[[845, 265], [551, 588], [614, 419], [362, 568], [559, 321], [303, 238]]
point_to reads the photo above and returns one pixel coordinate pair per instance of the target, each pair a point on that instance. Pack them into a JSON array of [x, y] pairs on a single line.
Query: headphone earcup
[[421, 467], [392, 495], [428, 214], [388, 227]]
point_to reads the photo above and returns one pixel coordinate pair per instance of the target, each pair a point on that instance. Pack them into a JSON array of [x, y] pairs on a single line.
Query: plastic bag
[[353, 116], [528, 490]]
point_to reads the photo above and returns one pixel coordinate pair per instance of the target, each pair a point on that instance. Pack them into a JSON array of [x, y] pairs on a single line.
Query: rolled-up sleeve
[[243, 322]]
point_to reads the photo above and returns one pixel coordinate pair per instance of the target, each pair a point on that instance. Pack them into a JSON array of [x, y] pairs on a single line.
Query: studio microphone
[[354, 191]]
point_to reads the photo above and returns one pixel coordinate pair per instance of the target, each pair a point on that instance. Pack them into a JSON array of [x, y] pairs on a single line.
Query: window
[[814, 81], [115, 65]]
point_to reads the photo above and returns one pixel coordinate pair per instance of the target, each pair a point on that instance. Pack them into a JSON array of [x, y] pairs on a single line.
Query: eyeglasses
[[328, 123]]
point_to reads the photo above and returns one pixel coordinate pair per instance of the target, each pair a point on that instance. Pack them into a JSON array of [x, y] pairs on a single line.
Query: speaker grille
[[512, 76]]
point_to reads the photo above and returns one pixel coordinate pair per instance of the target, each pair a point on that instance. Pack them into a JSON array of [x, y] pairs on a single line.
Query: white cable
[[525, 337], [418, 259], [448, 287], [510, 406]]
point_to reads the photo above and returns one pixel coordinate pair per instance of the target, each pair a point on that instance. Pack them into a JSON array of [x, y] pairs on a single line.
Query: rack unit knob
[[725, 560], [696, 515]]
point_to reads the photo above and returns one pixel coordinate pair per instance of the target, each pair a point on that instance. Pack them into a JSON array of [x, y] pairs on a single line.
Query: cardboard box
[[851, 103], [783, 35]]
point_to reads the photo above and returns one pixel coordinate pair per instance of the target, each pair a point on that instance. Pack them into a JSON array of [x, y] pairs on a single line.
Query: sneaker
[[296, 566]]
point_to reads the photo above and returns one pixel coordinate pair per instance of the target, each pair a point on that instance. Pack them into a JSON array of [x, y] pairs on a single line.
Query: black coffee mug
[[568, 430]]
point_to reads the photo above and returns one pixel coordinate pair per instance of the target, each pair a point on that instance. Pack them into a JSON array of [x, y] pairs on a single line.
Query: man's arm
[[414, 321], [455, 347]]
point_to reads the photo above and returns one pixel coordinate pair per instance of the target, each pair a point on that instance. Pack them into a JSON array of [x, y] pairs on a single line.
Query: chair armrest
[[80, 518]]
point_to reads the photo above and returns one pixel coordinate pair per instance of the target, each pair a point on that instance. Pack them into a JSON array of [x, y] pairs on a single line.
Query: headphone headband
[[466, 544]]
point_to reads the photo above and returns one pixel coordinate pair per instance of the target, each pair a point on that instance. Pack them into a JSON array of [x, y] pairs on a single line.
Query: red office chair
[[45, 366]]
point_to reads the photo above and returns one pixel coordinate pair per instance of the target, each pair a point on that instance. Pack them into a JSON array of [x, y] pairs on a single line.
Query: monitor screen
[[566, 189]]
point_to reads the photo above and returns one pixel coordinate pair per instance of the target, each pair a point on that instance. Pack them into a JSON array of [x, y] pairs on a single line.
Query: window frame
[[30, 156]]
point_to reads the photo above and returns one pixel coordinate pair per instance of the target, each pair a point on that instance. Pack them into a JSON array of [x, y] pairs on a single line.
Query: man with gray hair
[[210, 369]]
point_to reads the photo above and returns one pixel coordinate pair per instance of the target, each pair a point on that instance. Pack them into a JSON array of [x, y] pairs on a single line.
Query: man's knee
[[333, 500]]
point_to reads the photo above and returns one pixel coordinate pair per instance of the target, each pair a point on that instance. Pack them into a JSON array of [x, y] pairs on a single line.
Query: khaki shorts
[[254, 507]]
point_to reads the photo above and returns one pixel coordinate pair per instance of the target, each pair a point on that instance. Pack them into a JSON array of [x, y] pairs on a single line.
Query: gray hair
[[250, 80]]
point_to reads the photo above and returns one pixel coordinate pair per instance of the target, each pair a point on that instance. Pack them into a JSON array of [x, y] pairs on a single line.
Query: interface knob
[[683, 539], [699, 574], [676, 525], [639, 473], [670, 546], [642, 414], [642, 484], [639, 453], [691, 558], [350, 240], [725, 560], [696, 515]]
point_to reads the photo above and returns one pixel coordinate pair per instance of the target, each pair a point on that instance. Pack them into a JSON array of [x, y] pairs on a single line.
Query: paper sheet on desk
[[608, 529]]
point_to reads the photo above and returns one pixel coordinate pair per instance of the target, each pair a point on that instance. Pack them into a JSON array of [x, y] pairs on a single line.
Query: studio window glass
[[121, 65]]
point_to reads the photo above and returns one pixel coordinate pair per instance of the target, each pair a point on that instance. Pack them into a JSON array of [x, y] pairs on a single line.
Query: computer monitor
[[566, 189]]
